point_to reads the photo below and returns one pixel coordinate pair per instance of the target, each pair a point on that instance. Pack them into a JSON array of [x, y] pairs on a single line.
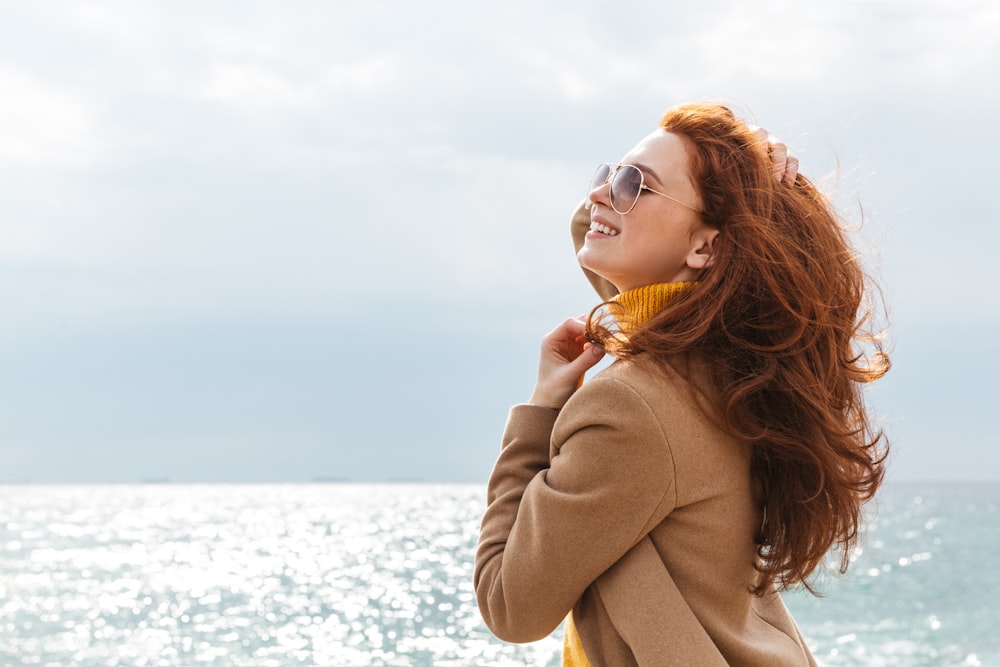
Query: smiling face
[[659, 240]]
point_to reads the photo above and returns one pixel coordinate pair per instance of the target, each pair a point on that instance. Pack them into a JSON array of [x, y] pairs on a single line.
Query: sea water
[[356, 575]]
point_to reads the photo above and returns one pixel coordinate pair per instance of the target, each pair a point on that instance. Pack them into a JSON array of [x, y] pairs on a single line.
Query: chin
[[588, 261]]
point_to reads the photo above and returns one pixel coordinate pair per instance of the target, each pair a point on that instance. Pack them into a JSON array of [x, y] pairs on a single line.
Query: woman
[[725, 451]]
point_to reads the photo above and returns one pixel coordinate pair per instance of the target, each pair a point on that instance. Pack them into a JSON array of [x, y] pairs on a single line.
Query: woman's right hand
[[566, 356]]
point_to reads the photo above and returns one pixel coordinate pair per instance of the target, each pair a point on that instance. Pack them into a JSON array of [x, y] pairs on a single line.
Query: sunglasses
[[627, 183]]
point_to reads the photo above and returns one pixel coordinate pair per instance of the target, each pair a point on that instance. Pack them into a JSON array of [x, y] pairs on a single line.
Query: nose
[[601, 194]]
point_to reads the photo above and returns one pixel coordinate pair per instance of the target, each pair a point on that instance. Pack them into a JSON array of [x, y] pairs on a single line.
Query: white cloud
[[949, 40], [256, 89], [787, 43], [366, 75], [43, 126], [127, 23]]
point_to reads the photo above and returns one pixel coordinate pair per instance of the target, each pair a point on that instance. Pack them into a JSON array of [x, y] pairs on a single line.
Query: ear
[[701, 255]]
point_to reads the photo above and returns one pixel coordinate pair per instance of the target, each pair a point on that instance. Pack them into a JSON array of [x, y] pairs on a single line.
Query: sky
[[286, 242]]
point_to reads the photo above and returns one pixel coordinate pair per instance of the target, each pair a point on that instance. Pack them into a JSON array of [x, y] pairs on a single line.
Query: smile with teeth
[[603, 229]]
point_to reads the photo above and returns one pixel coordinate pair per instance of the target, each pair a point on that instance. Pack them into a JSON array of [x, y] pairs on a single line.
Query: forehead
[[662, 155]]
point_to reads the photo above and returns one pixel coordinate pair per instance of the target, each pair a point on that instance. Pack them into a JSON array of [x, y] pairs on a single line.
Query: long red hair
[[783, 315]]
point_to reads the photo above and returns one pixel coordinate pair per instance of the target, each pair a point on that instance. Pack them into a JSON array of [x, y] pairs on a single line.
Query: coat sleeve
[[552, 526]]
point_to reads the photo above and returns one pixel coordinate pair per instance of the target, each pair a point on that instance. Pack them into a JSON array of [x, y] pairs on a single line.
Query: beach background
[[289, 264], [350, 575]]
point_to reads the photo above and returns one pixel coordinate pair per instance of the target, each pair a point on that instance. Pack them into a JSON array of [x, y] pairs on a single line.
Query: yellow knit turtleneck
[[631, 308], [634, 307]]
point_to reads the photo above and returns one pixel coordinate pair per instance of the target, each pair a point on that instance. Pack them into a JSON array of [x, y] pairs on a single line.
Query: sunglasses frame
[[613, 171]]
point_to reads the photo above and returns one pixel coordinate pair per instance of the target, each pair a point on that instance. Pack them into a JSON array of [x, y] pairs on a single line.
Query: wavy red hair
[[783, 315]]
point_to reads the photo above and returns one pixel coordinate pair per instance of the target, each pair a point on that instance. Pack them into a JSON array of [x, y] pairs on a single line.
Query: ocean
[[350, 575]]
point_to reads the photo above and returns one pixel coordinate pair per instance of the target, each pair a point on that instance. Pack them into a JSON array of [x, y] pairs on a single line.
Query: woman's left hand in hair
[[785, 165], [565, 357]]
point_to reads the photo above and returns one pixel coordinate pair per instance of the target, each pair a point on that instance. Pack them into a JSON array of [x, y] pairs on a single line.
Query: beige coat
[[632, 508]]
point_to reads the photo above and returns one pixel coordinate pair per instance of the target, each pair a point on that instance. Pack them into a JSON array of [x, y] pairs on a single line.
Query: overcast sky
[[289, 241]]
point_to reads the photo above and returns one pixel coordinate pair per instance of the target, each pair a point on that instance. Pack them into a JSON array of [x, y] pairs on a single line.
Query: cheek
[[664, 239], [668, 247]]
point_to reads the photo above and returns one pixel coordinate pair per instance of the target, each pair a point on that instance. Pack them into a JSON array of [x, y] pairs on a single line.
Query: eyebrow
[[647, 171]]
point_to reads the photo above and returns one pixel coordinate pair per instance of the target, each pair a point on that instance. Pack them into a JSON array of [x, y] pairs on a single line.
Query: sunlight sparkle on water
[[246, 575]]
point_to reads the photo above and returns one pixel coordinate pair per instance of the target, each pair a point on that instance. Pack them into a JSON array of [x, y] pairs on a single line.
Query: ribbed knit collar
[[638, 305]]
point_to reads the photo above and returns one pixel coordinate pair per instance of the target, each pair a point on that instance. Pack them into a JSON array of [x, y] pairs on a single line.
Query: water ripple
[[356, 575], [338, 575]]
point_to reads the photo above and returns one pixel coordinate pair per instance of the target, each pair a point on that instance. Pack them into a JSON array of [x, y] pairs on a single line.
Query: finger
[[779, 159], [791, 169], [760, 138], [569, 329], [564, 343], [587, 360]]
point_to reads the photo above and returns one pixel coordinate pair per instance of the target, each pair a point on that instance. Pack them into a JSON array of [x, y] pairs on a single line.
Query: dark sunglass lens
[[600, 176], [625, 188]]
